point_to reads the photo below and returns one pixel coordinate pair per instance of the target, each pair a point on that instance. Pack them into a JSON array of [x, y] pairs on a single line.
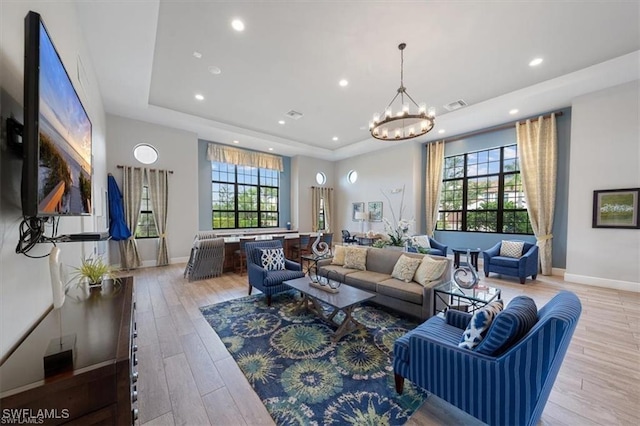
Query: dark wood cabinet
[[101, 386]]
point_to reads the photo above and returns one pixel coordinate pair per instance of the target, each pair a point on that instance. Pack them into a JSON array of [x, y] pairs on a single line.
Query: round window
[[145, 153], [321, 178], [352, 176]]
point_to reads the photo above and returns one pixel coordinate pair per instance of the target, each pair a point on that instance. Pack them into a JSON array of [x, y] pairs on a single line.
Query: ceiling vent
[[455, 105], [294, 115]]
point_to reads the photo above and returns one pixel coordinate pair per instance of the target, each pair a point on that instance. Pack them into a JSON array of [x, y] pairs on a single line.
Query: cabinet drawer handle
[[135, 348], [134, 396], [135, 360], [134, 414], [134, 377]]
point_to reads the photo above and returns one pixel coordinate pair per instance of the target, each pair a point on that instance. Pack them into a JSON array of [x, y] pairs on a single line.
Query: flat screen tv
[[56, 173]]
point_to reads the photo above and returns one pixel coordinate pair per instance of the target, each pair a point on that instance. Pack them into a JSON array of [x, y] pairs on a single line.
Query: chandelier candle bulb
[[422, 110], [412, 131], [387, 113]]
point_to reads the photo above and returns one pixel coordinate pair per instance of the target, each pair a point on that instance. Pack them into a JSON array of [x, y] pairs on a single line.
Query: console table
[[101, 387]]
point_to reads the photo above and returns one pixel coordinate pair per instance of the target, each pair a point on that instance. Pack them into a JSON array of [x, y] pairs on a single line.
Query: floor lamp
[[361, 216]]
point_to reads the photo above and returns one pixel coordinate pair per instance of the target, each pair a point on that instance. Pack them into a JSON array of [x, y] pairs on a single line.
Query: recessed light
[[335, 138], [214, 70], [281, 122], [513, 111], [199, 97], [237, 25], [236, 141], [343, 83], [535, 62], [270, 149], [441, 131], [197, 54]]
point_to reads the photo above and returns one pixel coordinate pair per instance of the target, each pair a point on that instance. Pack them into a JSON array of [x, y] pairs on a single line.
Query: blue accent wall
[[204, 189], [503, 137]]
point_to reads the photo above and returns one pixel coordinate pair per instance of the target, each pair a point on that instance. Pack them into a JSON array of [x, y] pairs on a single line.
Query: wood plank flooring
[[187, 377]]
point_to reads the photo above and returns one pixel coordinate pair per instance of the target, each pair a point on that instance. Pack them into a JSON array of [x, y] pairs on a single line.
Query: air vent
[[455, 105], [294, 115]]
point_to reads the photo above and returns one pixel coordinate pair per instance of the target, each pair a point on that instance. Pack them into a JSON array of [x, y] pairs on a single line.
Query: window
[[146, 227], [244, 197], [352, 176], [482, 192], [321, 222]]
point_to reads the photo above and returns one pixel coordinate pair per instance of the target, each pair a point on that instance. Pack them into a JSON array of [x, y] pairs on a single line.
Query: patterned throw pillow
[[511, 249], [355, 258], [338, 255], [479, 325], [422, 241], [405, 268], [429, 270], [272, 259]]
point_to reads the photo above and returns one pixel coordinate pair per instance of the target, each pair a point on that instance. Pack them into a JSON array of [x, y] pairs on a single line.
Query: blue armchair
[[436, 249], [522, 267], [508, 387], [268, 282]]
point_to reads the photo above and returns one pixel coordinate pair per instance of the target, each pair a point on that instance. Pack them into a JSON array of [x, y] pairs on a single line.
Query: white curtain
[[435, 166], [241, 157], [538, 152], [132, 193], [317, 194], [158, 181]]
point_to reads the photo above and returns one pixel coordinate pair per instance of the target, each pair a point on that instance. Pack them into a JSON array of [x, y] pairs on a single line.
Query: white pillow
[[429, 270], [511, 249], [355, 258], [405, 268], [479, 324], [338, 255], [422, 241], [272, 259]]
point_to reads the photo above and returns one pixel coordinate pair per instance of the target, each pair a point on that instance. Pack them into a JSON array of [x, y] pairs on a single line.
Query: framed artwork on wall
[[616, 208], [357, 208], [375, 211]]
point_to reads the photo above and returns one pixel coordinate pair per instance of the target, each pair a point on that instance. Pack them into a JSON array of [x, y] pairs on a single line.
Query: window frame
[[263, 190], [143, 213], [462, 214]]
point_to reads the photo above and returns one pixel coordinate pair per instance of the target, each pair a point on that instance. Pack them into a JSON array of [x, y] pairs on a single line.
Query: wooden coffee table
[[345, 300]]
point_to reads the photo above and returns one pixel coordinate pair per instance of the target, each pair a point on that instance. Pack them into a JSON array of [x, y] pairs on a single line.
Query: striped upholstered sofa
[[509, 380]]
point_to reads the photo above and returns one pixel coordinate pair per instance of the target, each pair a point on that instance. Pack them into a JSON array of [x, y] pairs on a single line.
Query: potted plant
[[93, 271]]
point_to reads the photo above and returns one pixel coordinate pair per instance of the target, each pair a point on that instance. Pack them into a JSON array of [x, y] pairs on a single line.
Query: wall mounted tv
[[56, 173]]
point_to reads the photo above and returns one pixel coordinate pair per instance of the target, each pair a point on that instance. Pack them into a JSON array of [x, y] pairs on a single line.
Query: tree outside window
[[146, 227], [482, 192]]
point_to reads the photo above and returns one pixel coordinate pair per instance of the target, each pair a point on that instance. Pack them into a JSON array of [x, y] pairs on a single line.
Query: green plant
[[94, 270]]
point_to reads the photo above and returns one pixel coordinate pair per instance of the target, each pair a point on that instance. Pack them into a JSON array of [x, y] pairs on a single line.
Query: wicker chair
[[206, 259]]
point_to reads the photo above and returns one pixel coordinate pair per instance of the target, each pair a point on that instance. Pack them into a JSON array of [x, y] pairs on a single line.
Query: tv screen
[[56, 174]]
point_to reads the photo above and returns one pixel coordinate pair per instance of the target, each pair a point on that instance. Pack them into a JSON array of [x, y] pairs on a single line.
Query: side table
[[312, 262], [469, 300], [473, 254]]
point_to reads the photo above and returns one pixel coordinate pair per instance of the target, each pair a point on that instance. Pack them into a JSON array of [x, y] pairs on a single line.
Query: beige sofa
[[410, 298]]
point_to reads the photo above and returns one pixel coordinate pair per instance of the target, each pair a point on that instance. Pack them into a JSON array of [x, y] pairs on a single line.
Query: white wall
[[605, 154], [303, 177], [25, 291], [177, 151], [380, 172]]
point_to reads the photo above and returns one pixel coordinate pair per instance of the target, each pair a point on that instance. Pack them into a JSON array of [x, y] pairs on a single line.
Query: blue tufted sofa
[[525, 266], [507, 379]]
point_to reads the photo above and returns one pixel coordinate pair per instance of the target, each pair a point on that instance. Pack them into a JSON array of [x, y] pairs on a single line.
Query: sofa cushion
[[405, 268], [335, 271], [382, 260], [365, 280], [430, 270], [509, 326], [355, 258], [511, 249], [272, 259], [409, 292], [275, 278], [479, 324], [338, 255], [508, 262]]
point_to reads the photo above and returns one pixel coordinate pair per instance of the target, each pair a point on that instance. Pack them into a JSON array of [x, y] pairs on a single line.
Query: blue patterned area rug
[[301, 376]]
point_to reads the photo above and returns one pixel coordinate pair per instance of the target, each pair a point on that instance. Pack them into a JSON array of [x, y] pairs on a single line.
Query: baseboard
[[179, 260], [603, 282], [558, 272], [153, 263]]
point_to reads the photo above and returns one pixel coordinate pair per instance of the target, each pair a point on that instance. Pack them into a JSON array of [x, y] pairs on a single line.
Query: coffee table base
[[348, 325]]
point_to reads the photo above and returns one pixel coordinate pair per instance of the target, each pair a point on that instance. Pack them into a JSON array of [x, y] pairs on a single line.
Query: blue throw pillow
[[272, 259], [479, 324], [510, 326]]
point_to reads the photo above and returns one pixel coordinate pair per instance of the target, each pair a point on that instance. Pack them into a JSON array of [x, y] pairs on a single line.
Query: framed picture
[[357, 208], [375, 211], [616, 208]]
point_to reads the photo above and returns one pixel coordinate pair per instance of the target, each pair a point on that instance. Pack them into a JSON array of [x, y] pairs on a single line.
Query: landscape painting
[[616, 208]]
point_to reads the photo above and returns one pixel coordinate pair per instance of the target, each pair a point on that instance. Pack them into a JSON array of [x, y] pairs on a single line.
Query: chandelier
[[404, 124]]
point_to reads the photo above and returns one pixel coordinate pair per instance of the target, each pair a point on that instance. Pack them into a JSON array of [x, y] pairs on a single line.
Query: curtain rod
[[122, 167], [496, 128]]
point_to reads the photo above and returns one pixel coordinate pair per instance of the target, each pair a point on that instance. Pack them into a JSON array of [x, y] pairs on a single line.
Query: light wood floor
[[187, 376]]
